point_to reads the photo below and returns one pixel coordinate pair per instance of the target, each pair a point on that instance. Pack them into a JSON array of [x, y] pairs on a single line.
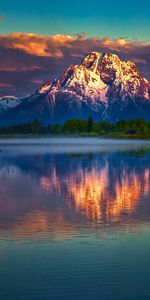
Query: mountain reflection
[[56, 193], [93, 194]]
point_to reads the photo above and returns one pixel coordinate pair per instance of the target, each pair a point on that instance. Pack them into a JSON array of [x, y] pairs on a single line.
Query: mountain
[[102, 86], [8, 102]]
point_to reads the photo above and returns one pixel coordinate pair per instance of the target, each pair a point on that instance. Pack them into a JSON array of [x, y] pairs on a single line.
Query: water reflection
[[98, 194], [57, 193]]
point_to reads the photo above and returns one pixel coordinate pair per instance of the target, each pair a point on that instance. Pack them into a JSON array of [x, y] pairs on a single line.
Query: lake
[[74, 219]]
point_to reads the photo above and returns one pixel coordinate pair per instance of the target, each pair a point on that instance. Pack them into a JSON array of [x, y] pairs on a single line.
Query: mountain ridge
[[102, 86]]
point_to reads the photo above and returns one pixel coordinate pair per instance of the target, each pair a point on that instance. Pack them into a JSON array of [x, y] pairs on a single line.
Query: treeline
[[129, 127], [82, 127]]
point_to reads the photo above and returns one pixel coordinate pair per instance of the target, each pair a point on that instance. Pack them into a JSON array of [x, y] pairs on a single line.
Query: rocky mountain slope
[[102, 86]]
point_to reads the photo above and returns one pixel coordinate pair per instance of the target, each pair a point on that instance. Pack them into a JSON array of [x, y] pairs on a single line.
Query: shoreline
[[70, 136]]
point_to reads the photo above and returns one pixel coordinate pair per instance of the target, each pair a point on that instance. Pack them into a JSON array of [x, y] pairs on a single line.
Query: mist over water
[[74, 219]]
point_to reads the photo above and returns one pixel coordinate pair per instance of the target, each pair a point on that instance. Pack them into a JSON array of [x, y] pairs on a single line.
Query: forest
[[80, 127]]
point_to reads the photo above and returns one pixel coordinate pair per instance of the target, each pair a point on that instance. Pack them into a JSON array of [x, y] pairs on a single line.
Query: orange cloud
[[55, 45], [35, 44]]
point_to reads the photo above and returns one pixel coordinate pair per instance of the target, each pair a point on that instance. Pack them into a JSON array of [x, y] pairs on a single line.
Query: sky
[[39, 39]]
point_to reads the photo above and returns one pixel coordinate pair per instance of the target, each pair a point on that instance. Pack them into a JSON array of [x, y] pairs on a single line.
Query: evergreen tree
[[89, 124]]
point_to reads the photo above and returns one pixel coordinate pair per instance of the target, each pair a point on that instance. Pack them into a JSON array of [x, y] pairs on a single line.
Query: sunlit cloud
[[55, 45]]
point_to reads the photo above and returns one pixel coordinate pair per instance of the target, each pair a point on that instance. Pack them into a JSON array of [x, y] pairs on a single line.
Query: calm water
[[74, 219]]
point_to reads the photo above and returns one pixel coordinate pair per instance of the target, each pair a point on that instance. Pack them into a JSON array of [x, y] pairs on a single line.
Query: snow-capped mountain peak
[[99, 78], [102, 86]]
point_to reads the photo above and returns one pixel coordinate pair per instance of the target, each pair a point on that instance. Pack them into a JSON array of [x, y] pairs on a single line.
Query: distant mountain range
[[102, 86]]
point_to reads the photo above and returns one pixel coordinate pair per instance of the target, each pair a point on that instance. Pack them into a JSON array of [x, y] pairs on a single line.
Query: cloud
[[56, 45], [28, 59], [5, 85], [138, 60], [35, 44]]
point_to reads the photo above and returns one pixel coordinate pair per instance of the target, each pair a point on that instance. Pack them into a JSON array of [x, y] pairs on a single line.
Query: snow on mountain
[[45, 87], [123, 76], [8, 102], [99, 78], [100, 74], [102, 86]]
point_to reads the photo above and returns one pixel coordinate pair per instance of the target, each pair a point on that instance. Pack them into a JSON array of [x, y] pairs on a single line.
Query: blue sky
[[130, 19]]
